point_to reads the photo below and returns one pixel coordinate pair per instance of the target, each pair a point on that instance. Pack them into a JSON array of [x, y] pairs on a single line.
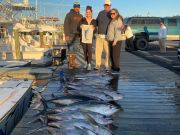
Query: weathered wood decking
[[151, 104]]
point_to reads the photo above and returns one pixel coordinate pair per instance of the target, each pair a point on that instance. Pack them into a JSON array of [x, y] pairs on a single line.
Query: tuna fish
[[103, 108], [69, 124]]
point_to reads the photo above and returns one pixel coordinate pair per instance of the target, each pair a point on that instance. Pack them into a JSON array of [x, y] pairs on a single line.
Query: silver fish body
[[113, 94], [98, 95], [93, 106], [98, 118], [81, 124]]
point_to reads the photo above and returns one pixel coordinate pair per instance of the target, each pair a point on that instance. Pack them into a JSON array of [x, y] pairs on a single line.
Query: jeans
[[73, 44]]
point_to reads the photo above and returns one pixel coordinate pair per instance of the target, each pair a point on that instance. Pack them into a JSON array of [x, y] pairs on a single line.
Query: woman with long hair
[[88, 27], [114, 37]]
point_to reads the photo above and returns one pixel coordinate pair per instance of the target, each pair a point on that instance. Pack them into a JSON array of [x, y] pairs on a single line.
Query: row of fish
[[86, 107]]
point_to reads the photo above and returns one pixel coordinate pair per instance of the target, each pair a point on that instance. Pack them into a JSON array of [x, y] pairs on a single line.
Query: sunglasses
[[113, 13], [107, 5]]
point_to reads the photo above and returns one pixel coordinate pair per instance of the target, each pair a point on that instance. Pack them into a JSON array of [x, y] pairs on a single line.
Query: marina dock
[[151, 103], [40, 94]]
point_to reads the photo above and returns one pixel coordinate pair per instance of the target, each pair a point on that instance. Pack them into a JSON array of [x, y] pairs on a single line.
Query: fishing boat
[[15, 95], [26, 37]]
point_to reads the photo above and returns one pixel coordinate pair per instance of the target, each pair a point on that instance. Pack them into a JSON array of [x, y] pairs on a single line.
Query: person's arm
[[97, 23], [80, 27], [97, 20], [81, 23], [110, 32], [117, 32], [94, 23]]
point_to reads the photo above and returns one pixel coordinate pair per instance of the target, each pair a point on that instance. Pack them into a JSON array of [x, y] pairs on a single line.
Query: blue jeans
[[73, 44]]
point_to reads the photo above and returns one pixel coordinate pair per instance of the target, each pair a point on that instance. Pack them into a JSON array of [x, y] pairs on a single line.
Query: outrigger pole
[[36, 9]]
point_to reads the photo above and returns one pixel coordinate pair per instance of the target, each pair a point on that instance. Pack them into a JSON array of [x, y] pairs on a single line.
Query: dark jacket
[[71, 23], [103, 21]]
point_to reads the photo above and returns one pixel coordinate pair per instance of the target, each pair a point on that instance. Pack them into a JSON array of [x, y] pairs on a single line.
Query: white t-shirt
[[128, 32], [87, 34], [162, 32]]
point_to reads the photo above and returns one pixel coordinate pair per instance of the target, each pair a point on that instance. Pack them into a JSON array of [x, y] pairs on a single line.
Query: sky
[[127, 8]]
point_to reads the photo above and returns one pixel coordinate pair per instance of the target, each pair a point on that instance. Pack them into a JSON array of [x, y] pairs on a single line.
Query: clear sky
[[58, 8]]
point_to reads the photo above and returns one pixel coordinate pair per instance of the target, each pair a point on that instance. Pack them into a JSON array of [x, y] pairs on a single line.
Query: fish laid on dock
[[85, 107]]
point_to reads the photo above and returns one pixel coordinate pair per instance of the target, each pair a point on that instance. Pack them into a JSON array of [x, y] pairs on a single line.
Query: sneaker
[[89, 67], [116, 69], [114, 72], [86, 65], [96, 68], [107, 69]]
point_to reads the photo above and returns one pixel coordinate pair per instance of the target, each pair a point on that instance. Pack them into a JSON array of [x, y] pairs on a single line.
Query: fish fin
[[36, 130], [41, 112], [85, 130], [37, 106], [40, 118], [34, 120], [51, 131], [77, 127], [44, 102], [89, 118]]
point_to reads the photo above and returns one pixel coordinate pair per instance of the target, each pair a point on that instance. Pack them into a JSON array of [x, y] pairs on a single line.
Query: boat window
[[172, 22], [138, 21], [153, 21]]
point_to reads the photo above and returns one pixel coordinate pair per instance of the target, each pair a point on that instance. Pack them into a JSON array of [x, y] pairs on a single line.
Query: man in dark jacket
[[71, 28]]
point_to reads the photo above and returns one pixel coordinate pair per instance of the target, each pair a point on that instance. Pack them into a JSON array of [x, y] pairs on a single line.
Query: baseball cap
[[107, 2], [76, 5]]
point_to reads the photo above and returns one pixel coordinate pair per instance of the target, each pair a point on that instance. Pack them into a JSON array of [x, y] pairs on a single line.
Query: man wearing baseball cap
[[103, 21], [71, 23], [71, 28]]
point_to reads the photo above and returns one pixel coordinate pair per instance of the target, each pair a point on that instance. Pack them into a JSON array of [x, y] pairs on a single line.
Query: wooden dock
[[152, 101], [151, 104]]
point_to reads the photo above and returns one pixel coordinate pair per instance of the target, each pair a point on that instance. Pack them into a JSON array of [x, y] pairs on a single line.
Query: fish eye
[[104, 116]]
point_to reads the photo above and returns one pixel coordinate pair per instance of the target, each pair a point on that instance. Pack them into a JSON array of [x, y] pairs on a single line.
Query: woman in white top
[[114, 37], [129, 38], [88, 28]]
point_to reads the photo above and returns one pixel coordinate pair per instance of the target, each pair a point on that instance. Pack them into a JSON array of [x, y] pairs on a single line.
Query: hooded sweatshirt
[[71, 23], [114, 30]]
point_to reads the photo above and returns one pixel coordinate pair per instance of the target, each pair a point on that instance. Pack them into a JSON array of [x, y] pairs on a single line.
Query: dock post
[[61, 38], [53, 39], [17, 45], [41, 39]]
